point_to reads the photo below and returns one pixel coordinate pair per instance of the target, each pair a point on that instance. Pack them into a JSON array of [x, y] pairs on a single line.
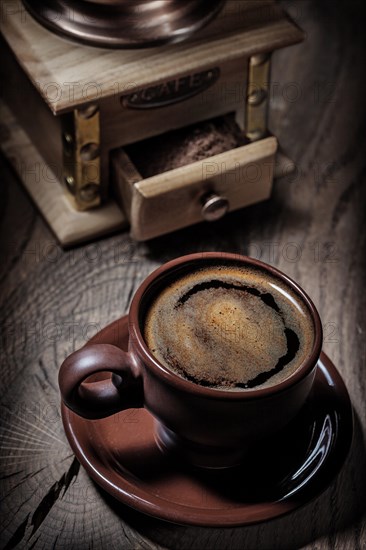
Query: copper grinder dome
[[124, 23]]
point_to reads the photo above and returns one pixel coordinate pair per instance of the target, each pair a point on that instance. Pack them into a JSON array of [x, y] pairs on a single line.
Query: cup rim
[[191, 387]]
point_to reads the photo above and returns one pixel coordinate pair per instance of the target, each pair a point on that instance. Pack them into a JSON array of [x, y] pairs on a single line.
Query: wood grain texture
[[68, 74], [30, 109], [172, 200], [313, 228], [121, 126], [43, 179]]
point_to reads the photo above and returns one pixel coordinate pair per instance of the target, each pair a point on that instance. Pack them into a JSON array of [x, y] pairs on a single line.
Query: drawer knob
[[214, 207]]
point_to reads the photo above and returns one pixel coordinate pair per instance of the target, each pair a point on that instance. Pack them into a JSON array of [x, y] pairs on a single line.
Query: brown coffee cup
[[208, 427]]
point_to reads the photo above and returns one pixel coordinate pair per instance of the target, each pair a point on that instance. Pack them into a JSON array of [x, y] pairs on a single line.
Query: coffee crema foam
[[229, 327]]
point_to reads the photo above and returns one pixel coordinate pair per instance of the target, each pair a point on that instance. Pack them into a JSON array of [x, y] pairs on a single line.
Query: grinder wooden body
[[76, 107]]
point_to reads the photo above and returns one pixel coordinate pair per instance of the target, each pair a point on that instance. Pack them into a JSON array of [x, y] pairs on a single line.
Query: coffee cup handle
[[105, 397]]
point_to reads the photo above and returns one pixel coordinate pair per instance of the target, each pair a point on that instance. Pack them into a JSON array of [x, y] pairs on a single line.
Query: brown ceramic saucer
[[120, 454]]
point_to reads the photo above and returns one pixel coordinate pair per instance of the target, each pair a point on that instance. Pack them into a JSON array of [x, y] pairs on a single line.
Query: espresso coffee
[[229, 327]]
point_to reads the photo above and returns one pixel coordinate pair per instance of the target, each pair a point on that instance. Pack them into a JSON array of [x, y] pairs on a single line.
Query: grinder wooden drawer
[[175, 199]]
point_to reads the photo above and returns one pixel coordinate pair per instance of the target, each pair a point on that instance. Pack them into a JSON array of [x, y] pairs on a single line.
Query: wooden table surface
[[312, 228]]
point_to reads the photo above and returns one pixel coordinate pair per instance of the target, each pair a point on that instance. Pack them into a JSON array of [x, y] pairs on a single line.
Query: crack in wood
[[49, 500], [18, 535], [34, 543], [6, 476], [45, 505], [345, 199], [45, 374]]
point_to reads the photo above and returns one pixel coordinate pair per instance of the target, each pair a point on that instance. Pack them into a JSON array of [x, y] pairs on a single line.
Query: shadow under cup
[[207, 423], [211, 425]]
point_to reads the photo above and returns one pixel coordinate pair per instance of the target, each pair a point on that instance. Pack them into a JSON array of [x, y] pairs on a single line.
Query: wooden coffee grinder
[[83, 80]]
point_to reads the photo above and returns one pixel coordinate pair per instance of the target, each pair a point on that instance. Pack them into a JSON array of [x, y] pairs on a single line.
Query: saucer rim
[[152, 505]]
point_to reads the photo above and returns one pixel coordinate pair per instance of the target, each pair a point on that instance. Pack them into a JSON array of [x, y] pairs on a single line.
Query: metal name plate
[[173, 91]]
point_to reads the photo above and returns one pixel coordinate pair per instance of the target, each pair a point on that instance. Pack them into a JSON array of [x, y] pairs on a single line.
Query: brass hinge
[[81, 156], [257, 96]]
